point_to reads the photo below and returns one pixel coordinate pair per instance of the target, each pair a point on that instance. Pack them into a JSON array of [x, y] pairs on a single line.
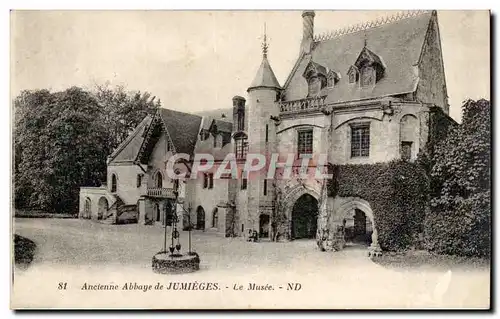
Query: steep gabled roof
[[182, 128], [128, 150], [399, 45]]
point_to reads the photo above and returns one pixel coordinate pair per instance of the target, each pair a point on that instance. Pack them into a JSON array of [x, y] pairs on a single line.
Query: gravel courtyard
[[82, 251]]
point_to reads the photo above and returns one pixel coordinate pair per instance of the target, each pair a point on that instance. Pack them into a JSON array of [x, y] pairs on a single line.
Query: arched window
[[113, 183], [215, 217], [159, 180]]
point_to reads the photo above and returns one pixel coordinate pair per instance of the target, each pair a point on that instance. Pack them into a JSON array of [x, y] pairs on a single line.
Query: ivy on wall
[[397, 193]]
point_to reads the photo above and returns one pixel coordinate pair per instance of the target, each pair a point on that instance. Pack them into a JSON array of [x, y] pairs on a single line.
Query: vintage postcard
[[250, 159]]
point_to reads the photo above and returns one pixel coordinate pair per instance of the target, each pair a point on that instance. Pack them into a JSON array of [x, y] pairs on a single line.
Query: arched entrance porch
[[103, 208], [357, 219]]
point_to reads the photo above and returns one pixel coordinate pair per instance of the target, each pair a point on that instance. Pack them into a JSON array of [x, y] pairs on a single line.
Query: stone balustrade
[[161, 192], [314, 104]]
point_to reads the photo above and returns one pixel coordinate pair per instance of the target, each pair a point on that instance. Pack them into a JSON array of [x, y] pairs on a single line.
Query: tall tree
[[123, 111], [62, 139], [60, 144], [459, 220]]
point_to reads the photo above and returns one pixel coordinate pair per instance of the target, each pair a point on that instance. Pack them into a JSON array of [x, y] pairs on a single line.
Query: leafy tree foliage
[[123, 111], [459, 219], [62, 139]]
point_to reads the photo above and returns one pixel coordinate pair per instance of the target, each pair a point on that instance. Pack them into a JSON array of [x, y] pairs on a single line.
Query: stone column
[[374, 249]]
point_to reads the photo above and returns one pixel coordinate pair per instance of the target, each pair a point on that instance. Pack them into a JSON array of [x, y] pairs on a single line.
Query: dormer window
[[371, 67], [316, 77], [353, 74], [332, 79]]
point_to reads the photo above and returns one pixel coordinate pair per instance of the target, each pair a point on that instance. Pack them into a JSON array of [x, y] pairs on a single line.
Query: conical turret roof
[[265, 77]]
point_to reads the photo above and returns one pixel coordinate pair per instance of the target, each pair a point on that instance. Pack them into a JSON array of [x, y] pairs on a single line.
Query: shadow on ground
[[418, 260], [24, 251]]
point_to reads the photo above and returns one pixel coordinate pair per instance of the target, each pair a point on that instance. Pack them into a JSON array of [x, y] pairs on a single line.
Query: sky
[[199, 60]]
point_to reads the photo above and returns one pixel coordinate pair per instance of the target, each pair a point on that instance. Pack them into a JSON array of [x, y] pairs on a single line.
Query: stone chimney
[[238, 113], [307, 31]]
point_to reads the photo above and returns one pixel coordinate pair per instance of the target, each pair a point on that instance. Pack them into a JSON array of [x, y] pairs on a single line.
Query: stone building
[[360, 95]]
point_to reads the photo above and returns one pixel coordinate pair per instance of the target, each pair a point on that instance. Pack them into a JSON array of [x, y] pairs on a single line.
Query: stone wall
[[209, 199], [385, 133], [126, 182], [94, 194]]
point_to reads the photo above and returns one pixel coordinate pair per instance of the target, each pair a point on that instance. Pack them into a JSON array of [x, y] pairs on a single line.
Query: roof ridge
[[180, 112], [368, 25]]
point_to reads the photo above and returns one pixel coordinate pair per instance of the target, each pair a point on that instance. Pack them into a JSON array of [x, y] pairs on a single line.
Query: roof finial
[[365, 38], [265, 46]]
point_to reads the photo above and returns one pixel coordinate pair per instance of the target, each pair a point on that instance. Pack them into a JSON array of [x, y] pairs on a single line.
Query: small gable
[[371, 67], [353, 74], [316, 77], [332, 78]]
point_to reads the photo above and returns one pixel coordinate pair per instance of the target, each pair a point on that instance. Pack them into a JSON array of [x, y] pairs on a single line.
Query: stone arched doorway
[[356, 216], [264, 226], [103, 208], [304, 217], [200, 218]]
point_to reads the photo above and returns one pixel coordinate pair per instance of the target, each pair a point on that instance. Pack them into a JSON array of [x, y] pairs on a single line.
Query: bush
[[397, 193]]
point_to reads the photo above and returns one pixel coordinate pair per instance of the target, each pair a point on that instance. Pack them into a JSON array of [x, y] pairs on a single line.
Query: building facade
[[362, 95]]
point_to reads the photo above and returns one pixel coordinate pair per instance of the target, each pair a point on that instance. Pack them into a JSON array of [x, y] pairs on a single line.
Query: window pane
[[406, 150], [367, 76], [360, 141], [305, 142]]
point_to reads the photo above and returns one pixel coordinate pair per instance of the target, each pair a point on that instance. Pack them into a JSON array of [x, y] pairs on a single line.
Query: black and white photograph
[[250, 159]]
